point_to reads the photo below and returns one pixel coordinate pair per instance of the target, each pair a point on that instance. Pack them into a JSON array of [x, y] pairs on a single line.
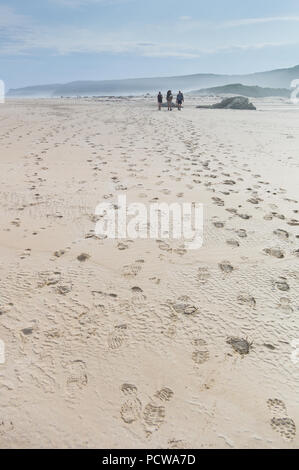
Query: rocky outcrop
[[236, 102]]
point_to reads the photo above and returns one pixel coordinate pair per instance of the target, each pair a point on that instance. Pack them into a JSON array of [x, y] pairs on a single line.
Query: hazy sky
[[55, 41]]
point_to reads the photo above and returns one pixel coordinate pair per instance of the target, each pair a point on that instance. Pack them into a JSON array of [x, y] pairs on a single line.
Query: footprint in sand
[[285, 306], [153, 416], [154, 412], [255, 200], [226, 267], [164, 246], [203, 275], [77, 376], [128, 389], [180, 251], [282, 234], [244, 216], [138, 297], [231, 210], [219, 224], [246, 299], [165, 394], [241, 233], [276, 252], [118, 336], [5, 426], [122, 246], [277, 407], [240, 345], [182, 307], [233, 243], [83, 257], [280, 422], [293, 222], [131, 270], [177, 444], [48, 278], [229, 182], [131, 409], [63, 289], [282, 285], [59, 253], [201, 354], [219, 202]]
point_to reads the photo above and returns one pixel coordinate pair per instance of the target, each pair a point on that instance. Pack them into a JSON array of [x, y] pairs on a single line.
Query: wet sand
[[142, 343]]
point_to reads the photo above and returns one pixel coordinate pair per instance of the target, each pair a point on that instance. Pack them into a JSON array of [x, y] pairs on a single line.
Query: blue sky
[[56, 41]]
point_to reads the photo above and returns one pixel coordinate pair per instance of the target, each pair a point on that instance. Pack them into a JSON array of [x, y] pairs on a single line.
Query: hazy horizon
[[152, 77]]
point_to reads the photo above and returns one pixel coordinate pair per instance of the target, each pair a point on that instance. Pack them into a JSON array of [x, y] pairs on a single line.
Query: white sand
[[86, 354]]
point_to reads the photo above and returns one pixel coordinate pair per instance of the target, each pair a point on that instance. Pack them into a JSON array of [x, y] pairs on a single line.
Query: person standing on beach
[[169, 100], [180, 100], [160, 100]]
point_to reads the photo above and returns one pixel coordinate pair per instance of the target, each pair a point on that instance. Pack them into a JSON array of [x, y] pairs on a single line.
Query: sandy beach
[[133, 343]]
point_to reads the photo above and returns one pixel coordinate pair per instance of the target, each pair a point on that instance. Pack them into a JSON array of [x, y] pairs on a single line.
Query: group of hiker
[[169, 99]]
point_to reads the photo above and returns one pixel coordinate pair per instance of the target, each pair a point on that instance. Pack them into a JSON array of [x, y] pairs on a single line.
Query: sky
[[58, 41]]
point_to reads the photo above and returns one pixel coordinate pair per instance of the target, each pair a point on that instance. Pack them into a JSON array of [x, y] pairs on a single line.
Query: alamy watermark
[[154, 221], [2, 92]]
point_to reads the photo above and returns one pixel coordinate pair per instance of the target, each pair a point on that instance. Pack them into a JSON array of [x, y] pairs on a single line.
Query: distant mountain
[[243, 90], [280, 78], [39, 91]]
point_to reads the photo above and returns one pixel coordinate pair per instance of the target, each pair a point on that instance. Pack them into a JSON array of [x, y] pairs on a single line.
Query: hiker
[[169, 100], [160, 100], [180, 100]]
